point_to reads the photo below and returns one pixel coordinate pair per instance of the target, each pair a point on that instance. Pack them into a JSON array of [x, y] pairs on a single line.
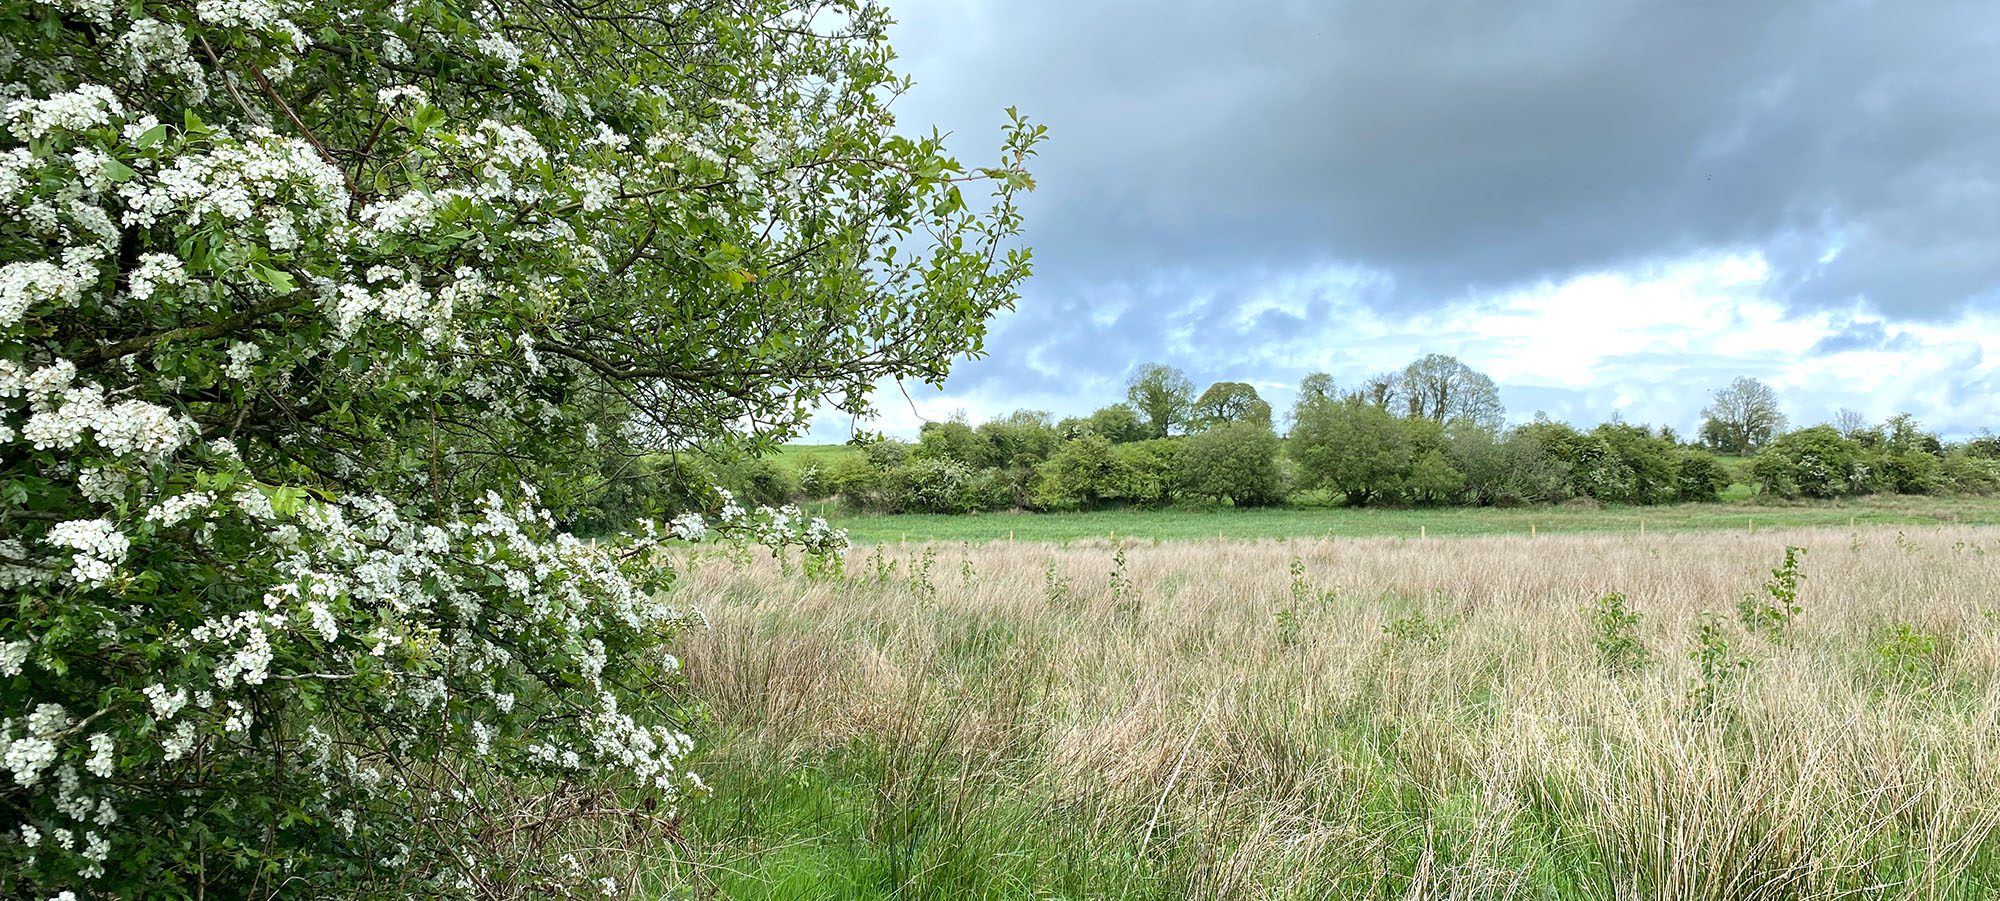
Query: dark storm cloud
[[1464, 146], [1207, 158]]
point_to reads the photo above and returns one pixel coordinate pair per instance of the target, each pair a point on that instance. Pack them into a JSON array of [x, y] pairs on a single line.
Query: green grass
[[1425, 735], [798, 457], [1304, 522]]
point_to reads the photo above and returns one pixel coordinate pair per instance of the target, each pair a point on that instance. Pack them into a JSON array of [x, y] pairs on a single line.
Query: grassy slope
[[797, 457], [1169, 525]]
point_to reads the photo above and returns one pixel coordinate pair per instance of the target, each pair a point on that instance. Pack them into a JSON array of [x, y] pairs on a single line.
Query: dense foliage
[[320, 321], [1421, 436]]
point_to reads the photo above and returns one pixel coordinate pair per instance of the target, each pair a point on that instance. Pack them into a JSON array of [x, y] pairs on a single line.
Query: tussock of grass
[[1437, 721]]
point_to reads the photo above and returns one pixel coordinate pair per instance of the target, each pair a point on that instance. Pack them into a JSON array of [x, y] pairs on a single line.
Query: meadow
[[1348, 522], [1567, 716]]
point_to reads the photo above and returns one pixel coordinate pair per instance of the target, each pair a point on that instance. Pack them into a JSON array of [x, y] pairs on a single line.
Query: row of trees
[[1429, 434]]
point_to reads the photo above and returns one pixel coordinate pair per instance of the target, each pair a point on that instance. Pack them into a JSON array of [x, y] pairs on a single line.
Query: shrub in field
[[1700, 477], [933, 485], [1349, 446], [1907, 655], [1056, 588], [1288, 628], [1717, 663], [1142, 472], [1814, 462], [1121, 581], [1235, 462], [881, 569], [1771, 613], [1615, 633], [1419, 630], [923, 581], [316, 319]]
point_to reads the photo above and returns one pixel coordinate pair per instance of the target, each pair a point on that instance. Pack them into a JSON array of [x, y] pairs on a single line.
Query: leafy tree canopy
[[1226, 402], [306, 309], [1742, 418], [1163, 396]]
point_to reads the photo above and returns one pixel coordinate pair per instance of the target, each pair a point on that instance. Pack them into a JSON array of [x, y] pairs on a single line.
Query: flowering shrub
[[311, 314]]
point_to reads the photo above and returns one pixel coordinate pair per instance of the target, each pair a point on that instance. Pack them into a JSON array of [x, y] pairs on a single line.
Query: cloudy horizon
[[1612, 208]]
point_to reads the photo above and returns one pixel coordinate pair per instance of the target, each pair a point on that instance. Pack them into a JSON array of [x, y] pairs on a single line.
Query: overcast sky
[[1612, 207]]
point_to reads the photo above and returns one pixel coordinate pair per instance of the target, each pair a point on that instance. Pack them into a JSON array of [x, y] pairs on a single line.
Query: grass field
[[798, 457], [1376, 718], [1309, 522]]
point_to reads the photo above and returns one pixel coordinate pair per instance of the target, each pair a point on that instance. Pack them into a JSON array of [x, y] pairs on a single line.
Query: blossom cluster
[[64, 412]]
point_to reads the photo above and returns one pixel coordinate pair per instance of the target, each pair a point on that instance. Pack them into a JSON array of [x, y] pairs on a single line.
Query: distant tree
[[1023, 438], [1317, 386], [1909, 472], [1743, 417], [1815, 462], [1142, 472], [1654, 463], [1432, 479], [856, 479], [952, 439], [1848, 422], [1440, 388], [1973, 467], [1234, 461], [1226, 402], [1383, 390], [1163, 396], [1905, 435], [1507, 470], [1700, 477], [1593, 465], [1077, 475], [1119, 423], [755, 480], [1349, 446]]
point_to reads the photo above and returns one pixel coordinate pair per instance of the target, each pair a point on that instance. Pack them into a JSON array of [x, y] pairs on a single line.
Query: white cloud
[[1646, 344]]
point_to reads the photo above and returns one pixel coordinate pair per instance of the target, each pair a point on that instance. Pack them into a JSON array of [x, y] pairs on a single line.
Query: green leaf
[[278, 279], [427, 118], [192, 122], [153, 135], [119, 172]]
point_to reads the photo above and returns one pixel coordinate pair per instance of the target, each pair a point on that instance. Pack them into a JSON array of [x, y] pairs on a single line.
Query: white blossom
[[13, 655], [98, 544]]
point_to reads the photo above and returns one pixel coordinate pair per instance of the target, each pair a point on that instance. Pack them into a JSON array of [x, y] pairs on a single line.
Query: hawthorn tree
[[1350, 446], [1234, 461], [1118, 422], [307, 307]]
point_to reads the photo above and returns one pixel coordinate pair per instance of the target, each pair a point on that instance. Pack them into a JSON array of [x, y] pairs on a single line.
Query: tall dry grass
[[1434, 721]]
